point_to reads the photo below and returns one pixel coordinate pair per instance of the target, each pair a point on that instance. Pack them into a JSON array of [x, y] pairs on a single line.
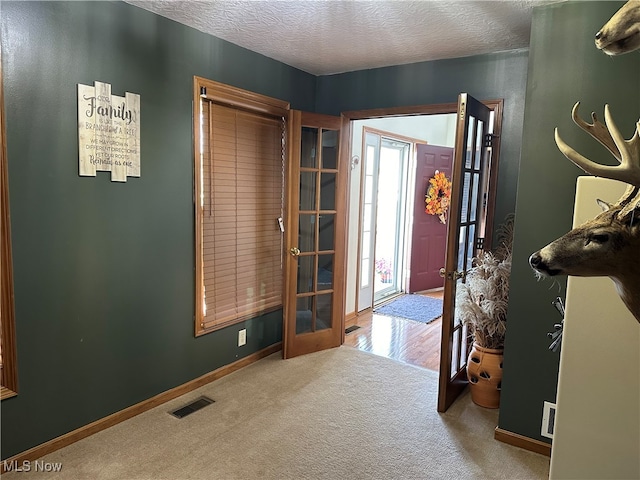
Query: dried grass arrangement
[[481, 301]]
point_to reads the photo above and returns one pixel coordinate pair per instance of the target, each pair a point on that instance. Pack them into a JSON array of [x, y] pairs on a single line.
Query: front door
[[466, 225], [315, 263], [428, 233]]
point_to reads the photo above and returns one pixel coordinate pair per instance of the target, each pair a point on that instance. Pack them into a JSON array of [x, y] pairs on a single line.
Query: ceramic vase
[[484, 371]]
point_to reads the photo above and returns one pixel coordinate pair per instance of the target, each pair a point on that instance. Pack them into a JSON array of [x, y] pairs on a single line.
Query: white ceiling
[[333, 36]]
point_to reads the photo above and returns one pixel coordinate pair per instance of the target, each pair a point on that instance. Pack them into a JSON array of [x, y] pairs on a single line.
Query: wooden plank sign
[[108, 132]]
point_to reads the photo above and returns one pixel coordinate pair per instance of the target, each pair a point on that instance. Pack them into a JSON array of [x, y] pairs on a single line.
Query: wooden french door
[[466, 227], [315, 247]]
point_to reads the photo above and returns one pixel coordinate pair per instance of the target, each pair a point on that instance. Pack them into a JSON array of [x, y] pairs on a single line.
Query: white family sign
[[108, 132]]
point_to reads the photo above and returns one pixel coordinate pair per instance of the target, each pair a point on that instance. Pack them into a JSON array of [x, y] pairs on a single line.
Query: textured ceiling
[[333, 36]]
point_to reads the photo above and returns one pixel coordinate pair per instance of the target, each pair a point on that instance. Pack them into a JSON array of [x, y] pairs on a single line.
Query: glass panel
[[455, 353], [326, 232], [465, 197], [330, 149], [306, 232], [366, 244], [457, 321], [464, 351], [371, 151], [308, 147], [325, 272], [305, 274], [469, 152], [364, 273], [471, 250], [327, 191], [366, 221], [475, 187], [323, 311], [479, 147], [388, 214], [304, 315], [461, 244], [307, 190], [368, 189]]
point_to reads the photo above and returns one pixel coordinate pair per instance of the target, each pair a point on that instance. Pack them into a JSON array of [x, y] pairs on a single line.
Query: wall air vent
[[194, 406], [548, 419]]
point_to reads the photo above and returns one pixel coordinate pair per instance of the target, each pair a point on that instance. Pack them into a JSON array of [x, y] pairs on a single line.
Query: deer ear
[[603, 205]]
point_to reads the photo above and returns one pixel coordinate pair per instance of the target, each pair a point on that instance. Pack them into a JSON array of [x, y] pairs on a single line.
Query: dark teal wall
[[564, 67], [104, 272], [486, 77]]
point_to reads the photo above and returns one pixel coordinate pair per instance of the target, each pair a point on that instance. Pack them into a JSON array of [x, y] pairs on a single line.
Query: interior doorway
[[364, 303], [401, 246]]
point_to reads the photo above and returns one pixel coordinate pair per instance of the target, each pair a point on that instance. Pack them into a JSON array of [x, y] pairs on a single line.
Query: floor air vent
[[351, 329], [194, 406]]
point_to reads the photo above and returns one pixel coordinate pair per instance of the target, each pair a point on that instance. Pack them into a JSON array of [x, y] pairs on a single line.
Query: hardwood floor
[[405, 340]]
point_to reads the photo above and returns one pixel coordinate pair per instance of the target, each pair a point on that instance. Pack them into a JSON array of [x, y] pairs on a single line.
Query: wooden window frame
[[242, 100], [8, 373]]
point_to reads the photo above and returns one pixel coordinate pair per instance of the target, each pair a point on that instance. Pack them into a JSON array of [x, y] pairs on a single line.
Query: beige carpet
[[338, 414]]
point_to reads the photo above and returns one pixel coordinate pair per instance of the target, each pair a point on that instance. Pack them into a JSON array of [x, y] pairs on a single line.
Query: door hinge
[[480, 243], [488, 139]]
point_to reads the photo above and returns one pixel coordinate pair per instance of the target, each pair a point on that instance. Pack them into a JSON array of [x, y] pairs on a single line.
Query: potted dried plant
[[481, 305]]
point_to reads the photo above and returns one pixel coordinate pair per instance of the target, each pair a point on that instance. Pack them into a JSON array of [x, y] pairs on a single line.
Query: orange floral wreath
[[438, 196]]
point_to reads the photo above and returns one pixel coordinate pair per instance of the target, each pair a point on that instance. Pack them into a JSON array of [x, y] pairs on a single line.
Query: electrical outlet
[[242, 337], [548, 419]]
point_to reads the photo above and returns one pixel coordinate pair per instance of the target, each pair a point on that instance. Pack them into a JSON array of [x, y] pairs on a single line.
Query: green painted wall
[[104, 272], [564, 67]]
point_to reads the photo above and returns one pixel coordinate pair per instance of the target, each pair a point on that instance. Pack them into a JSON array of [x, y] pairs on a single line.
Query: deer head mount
[[608, 245], [621, 34]]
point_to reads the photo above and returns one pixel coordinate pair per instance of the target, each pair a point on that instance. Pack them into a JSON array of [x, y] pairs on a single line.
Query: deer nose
[[599, 35], [535, 260]]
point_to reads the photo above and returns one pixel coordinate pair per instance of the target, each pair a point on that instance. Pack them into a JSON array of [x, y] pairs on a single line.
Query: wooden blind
[[241, 201]]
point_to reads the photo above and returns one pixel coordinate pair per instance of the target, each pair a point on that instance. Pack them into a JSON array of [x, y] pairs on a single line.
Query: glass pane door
[[466, 224], [316, 240], [390, 218]]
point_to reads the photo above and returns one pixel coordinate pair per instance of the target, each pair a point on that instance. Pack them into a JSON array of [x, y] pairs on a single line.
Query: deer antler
[[597, 130], [626, 151]]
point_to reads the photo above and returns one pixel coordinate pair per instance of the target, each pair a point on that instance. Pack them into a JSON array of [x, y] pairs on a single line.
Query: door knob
[[294, 251]]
